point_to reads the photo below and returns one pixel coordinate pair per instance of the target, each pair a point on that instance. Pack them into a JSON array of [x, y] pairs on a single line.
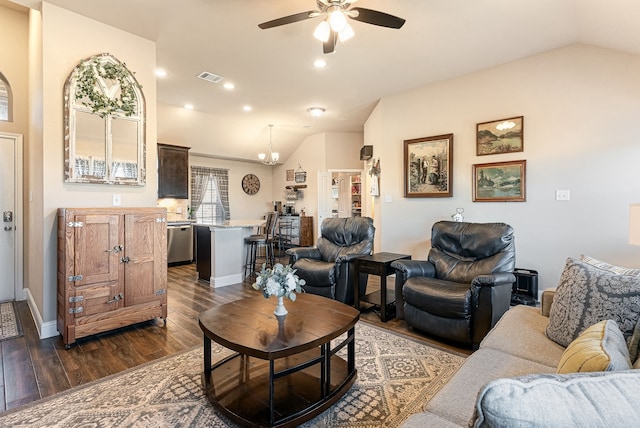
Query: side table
[[377, 264]]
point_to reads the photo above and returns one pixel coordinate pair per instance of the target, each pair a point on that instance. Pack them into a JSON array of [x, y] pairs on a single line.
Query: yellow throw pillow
[[600, 347]]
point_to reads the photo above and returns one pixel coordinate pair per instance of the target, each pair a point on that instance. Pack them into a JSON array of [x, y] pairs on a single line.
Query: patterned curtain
[[200, 177]]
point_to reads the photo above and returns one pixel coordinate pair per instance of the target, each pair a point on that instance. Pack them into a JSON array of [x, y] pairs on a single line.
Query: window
[[210, 194], [210, 210], [6, 105]]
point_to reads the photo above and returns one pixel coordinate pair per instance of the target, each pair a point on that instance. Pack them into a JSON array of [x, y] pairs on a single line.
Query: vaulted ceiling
[[273, 69]]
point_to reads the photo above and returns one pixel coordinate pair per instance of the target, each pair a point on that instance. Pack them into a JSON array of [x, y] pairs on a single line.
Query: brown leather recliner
[[329, 269], [464, 287]]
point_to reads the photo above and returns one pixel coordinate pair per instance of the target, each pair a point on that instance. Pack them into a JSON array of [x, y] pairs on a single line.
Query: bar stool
[[261, 241], [285, 228]]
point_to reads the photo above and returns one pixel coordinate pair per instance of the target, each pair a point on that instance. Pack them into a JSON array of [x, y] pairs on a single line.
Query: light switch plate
[[117, 200], [563, 195]]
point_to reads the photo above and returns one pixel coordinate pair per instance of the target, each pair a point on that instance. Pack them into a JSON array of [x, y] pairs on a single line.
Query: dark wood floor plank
[[20, 381], [33, 368]]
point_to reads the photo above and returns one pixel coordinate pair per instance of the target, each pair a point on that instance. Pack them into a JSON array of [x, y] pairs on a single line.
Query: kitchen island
[[220, 250]]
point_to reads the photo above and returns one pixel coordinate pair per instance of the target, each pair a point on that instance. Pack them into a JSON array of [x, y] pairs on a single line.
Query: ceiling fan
[[334, 26]]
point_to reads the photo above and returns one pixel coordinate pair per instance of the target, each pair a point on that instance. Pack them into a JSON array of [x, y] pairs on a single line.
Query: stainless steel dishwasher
[[179, 242]]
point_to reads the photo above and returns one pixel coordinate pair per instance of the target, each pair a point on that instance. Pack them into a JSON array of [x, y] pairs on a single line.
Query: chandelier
[[272, 157]]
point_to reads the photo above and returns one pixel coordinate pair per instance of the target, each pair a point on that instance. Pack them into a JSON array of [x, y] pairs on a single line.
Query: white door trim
[[18, 214]]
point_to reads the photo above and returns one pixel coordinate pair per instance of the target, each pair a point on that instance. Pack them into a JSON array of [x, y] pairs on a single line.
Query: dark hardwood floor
[[33, 368]]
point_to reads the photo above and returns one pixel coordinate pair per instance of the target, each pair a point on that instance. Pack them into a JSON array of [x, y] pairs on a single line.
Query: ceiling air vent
[[210, 77]]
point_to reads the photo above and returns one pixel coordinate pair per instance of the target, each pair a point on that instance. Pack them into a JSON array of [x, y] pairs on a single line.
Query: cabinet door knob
[[124, 259], [117, 297]]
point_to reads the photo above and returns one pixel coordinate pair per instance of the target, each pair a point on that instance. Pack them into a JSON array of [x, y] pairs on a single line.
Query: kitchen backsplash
[[176, 208]]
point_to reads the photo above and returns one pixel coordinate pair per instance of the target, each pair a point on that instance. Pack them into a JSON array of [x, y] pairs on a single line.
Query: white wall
[[581, 108], [68, 38]]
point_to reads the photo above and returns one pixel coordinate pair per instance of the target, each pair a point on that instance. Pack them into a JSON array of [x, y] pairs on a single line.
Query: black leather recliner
[[464, 287], [328, 269]]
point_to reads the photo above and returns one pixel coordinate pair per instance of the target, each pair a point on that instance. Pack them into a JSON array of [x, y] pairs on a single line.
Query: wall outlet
[[387, 198], [563, 195], [179, 210], [117, 200]]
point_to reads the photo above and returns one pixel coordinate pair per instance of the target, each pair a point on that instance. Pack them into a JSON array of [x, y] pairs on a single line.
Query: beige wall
[[14, 32], [68, 38], [241, 205], [319, 152], [581, 106]]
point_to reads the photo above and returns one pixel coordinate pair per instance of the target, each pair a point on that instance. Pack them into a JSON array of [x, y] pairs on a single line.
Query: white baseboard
[[45, 329]]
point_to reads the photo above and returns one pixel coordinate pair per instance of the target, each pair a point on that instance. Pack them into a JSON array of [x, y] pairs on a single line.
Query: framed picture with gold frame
[[428, 166], [500, 136], [500, 181]]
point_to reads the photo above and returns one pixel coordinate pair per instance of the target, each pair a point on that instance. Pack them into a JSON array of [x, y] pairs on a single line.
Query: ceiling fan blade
[[377, 18], [289, 19], [330, 45]]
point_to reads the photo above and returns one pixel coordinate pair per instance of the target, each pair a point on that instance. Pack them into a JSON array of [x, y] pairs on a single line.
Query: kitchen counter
[[220, 250], [235, 223]]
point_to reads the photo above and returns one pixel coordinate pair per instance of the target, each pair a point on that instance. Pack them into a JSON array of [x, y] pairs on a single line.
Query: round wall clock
[[250, 184]]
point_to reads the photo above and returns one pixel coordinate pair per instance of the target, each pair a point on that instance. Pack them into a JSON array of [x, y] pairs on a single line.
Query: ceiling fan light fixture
[[316, 111], [337, 20], [322, 31], [346, 33]]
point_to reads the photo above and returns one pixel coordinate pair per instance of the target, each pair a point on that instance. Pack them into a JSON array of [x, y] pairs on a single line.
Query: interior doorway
[[11, 224], [339, 194]]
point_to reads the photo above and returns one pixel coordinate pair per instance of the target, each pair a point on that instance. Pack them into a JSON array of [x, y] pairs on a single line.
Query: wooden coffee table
[[284, 370]]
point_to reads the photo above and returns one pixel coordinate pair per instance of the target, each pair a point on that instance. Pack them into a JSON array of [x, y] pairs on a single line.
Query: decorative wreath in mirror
[[93, 90]]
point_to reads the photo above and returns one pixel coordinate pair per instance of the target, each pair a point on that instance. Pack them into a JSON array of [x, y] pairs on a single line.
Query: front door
[[9, 211]]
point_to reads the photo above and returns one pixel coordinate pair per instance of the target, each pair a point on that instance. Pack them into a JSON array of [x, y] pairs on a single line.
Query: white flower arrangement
[[281, 281]]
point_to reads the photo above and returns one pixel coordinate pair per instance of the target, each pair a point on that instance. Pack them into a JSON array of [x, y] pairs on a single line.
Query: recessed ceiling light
[[188, 106], [160, 72], [320, 63], [229, 85], [315, 111], [247, 108]]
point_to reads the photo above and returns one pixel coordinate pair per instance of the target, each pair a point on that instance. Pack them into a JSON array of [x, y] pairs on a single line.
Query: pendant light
[[272, 157]]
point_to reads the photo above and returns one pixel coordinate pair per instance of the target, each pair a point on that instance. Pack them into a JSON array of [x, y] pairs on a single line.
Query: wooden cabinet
[[173, 171], [295, 231], [112, 269], [306, 231]]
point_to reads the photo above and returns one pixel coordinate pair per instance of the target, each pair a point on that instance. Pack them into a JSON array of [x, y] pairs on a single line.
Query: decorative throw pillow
[[587, 295], [634, 341], [599, 348], [620, 270]]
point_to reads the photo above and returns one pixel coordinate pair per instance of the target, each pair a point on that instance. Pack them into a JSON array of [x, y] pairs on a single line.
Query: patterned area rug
[[396, 376], [9, 323]]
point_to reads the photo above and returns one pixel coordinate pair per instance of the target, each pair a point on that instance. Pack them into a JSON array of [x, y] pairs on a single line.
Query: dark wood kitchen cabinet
[[173, 171]]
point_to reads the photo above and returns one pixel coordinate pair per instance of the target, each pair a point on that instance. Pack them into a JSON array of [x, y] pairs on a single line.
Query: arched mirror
[[6, 101], [104, 124]]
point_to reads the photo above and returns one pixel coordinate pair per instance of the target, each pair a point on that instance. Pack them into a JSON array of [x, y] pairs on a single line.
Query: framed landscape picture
[[500, 181], [500, 136], [428, 163]]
